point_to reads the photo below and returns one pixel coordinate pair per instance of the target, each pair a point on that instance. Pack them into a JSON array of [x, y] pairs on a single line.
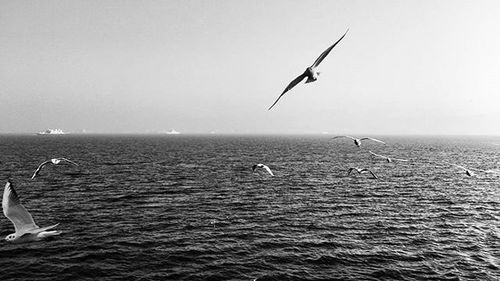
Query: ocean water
[[190, 208]]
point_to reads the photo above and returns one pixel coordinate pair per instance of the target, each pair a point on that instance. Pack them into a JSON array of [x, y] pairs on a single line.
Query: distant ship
[[52, 132], [172, 132]]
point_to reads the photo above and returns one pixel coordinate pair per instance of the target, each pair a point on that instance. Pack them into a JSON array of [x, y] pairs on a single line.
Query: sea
[[190, 207]]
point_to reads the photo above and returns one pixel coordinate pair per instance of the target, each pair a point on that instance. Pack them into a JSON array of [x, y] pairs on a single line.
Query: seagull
[[311, 74], [262, 166], [357, 142], [388, 159], [468, 171], [26, 229], [362, 171], [54, 161]]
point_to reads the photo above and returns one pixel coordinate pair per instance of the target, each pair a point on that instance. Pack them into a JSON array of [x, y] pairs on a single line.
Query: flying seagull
[[362, 171], [26, 229], [357, 142], [388, 159], [262, 166], [311, 73], [468, 171], [54, 161]]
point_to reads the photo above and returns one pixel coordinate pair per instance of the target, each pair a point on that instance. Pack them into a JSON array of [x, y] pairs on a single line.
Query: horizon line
[[254, 134]]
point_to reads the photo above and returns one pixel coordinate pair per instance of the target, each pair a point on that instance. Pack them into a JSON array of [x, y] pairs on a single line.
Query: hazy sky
[[405, 67]]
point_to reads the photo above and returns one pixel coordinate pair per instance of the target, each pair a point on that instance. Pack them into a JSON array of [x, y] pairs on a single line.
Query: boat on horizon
[[51, 132], [172, 132]]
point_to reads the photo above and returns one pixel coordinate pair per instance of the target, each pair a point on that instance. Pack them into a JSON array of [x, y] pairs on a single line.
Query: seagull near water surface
[[264, 167], [388, 159], [357, 142], [54, 161], [311, 73], [361, 171], [468, 171], [26, 229]]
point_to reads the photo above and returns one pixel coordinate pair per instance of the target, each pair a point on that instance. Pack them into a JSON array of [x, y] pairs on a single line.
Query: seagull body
[[362, 171], [357, 142], [54, 161], [388, 159], [310, 73], [26, 229], [262, 166]]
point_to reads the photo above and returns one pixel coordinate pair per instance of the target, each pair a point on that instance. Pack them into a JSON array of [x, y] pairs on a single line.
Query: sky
[[404, 67]]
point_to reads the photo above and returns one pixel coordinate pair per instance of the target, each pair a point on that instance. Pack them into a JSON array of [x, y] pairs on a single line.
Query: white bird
[[54, 161], [362, 171], [311, 73], [26, 229], [262, 166], [468, 171], [388, 159], [357, 142]]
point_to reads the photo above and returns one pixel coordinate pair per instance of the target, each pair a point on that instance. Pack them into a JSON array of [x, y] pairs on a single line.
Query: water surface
[[190, 208]]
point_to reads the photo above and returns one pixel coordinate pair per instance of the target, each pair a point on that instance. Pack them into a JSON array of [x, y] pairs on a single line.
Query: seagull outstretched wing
[[352, 138], [290, 86], [369, 171], [368, 138], [39, 168], [15, 211], [268, 170], [67, 160], [402, 160], [352, 169], [458, 166], [326, 52], [378, 155]]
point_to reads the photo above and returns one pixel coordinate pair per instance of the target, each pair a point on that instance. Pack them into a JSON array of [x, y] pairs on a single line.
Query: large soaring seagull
[[311, 73], [26, 229]]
